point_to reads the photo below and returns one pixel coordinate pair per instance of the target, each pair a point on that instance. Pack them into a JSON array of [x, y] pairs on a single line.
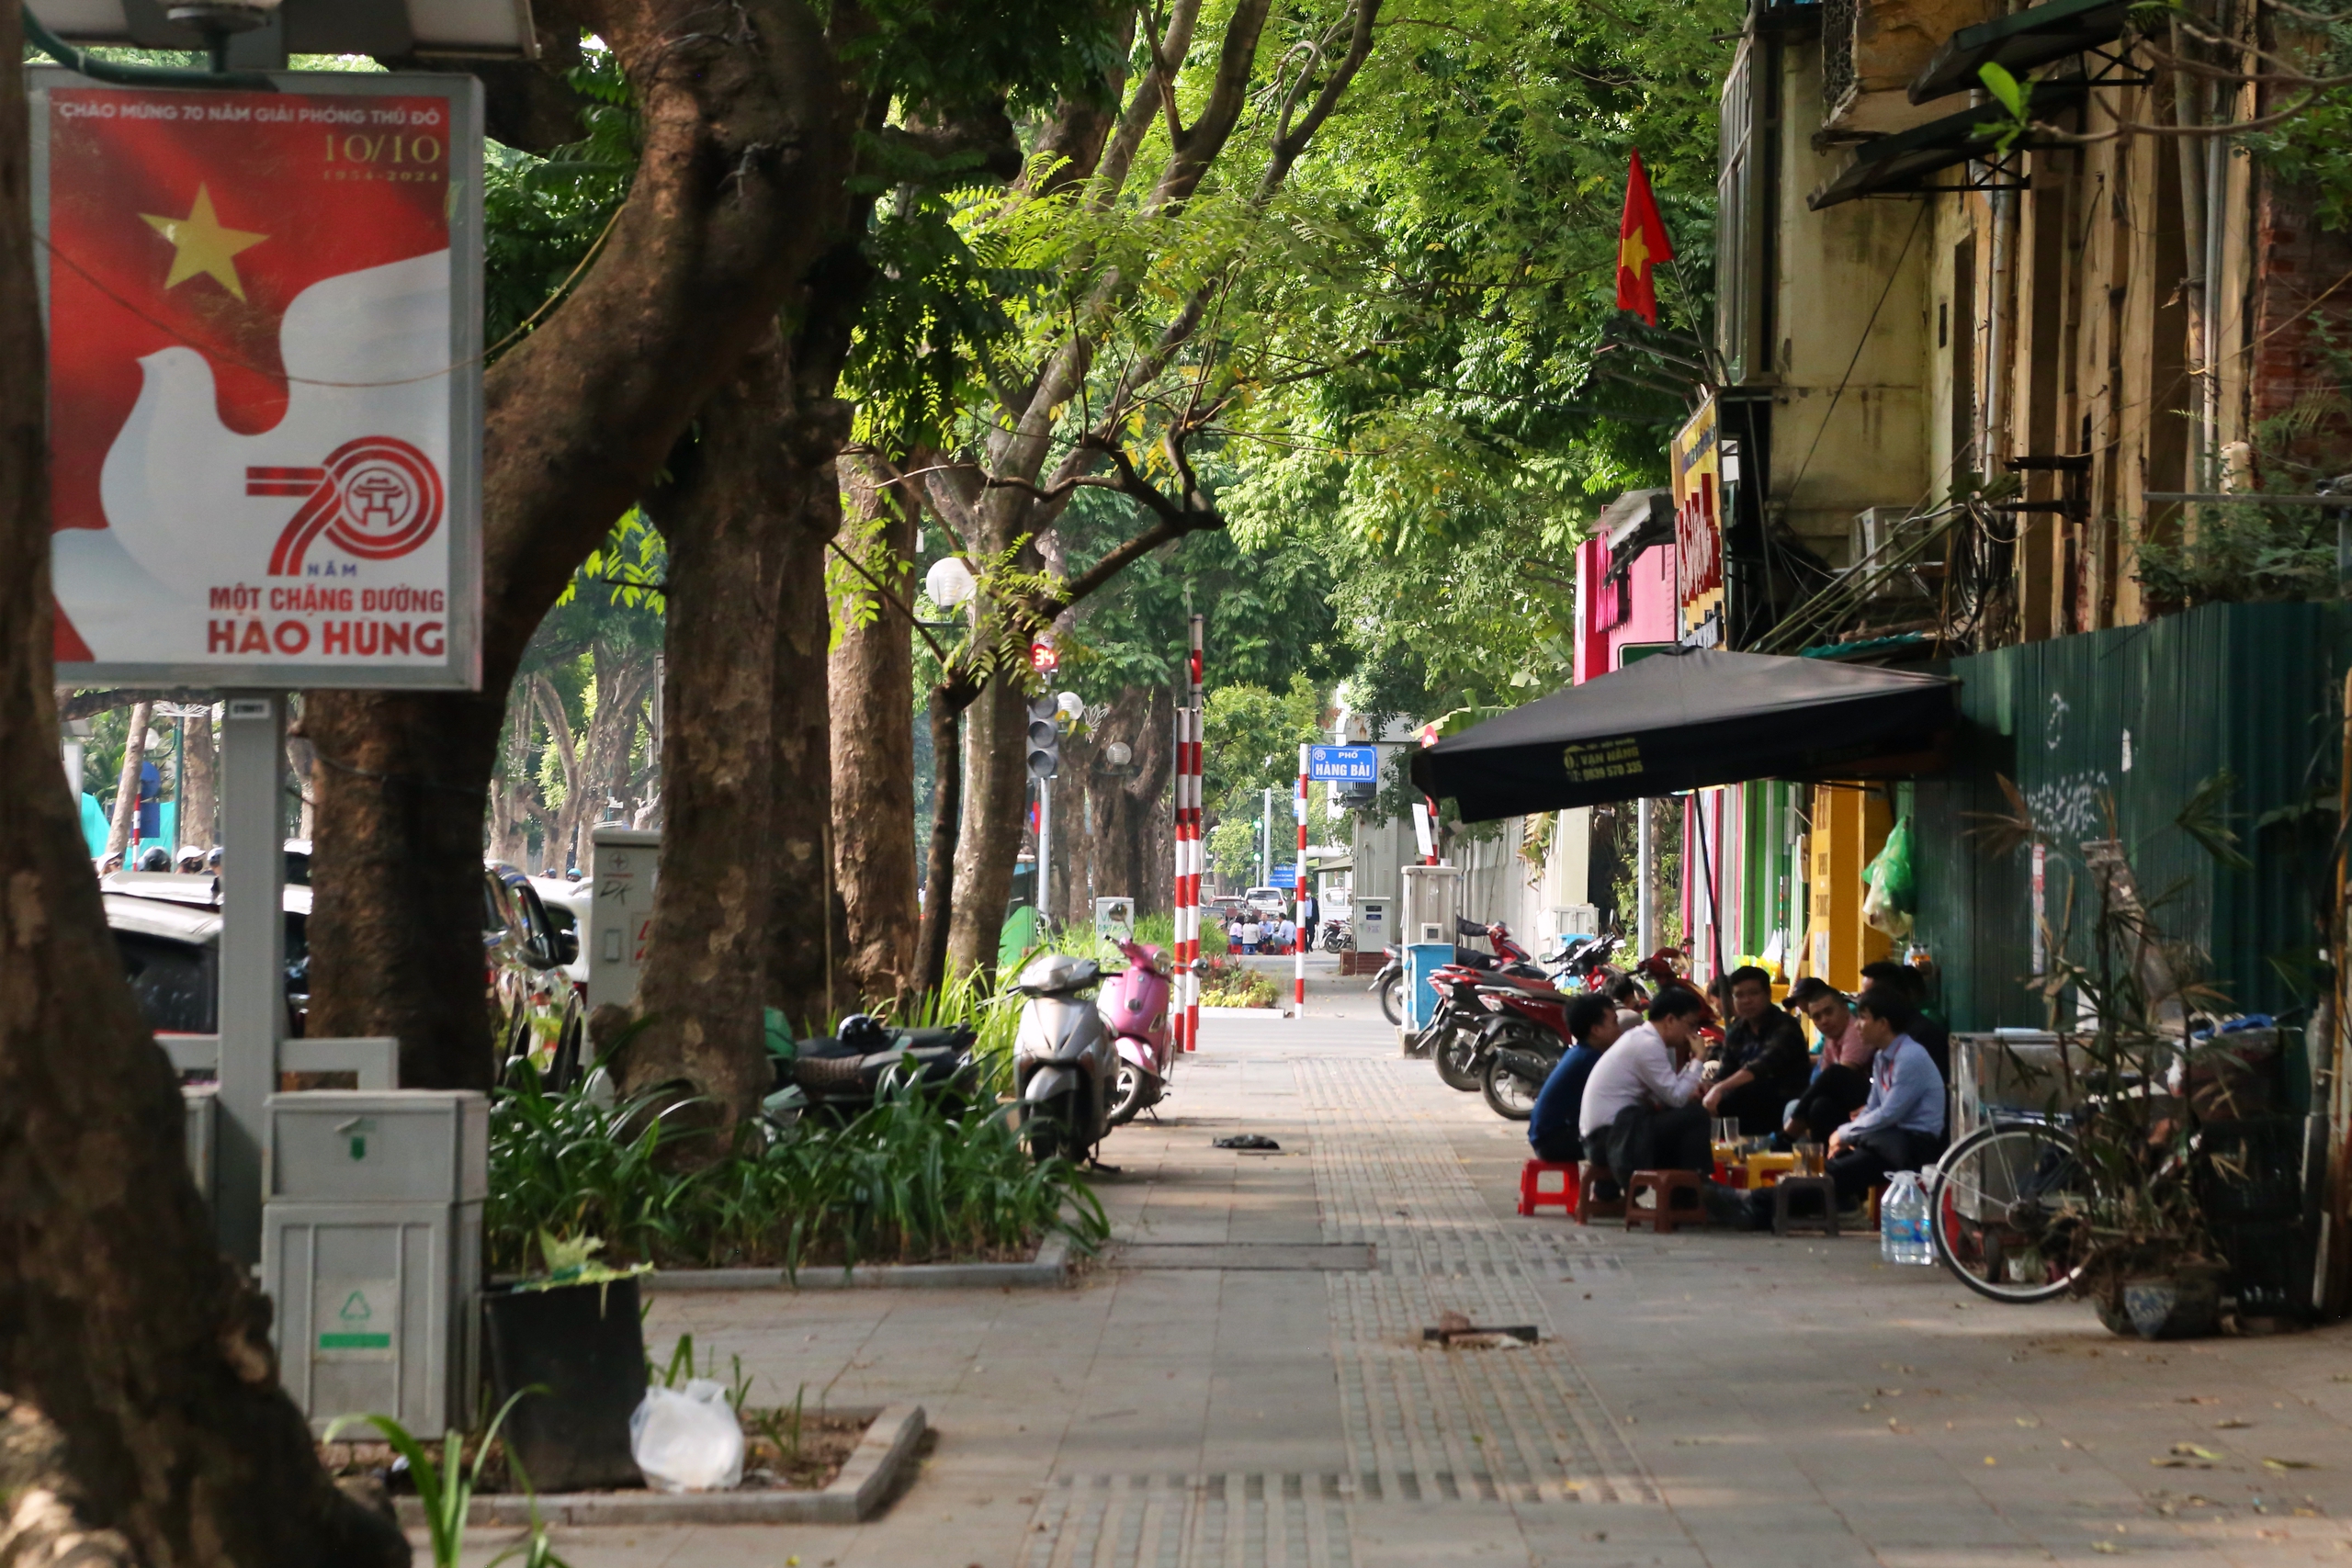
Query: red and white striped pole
[[1180, 904], [1298, 898], [1195, 732]]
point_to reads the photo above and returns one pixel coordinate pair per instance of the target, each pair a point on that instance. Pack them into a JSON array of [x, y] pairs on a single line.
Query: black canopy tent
[[1687, 719]]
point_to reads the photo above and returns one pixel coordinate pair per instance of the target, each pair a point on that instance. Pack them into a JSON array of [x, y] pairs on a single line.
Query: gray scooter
[[1063, 1057]]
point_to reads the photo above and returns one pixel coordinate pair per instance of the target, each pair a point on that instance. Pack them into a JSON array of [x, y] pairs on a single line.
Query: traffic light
[[1045, 738]]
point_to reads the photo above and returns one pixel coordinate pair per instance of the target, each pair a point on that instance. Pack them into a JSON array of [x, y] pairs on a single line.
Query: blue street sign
[[1343, 764], [1282, 876]]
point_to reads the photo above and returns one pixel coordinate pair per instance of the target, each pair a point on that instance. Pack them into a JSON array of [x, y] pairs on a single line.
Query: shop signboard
[[264, 312], [1698, 531]]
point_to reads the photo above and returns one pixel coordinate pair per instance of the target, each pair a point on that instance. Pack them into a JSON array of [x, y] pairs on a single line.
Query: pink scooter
[[1135, 1009]]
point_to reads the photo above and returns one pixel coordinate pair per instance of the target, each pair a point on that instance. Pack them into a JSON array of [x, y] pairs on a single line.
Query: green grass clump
[[922, 1175]]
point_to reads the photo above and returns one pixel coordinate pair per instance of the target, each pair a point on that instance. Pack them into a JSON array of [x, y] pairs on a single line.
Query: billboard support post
[[252, 956]]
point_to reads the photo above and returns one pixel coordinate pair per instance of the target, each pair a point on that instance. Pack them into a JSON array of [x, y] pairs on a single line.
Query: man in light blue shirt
[[1900, 1126]]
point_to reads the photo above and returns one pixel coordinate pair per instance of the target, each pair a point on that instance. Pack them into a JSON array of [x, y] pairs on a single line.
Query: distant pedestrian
[[1249, 933]]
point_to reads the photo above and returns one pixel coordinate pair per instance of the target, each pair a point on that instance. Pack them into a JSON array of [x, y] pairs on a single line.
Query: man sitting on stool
[[1554, 1129], [1764, 1064], [1842, 1082], [1900, 1126], [1641, 1112]]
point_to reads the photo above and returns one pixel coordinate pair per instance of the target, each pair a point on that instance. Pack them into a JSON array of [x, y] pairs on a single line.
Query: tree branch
[[890, 599]]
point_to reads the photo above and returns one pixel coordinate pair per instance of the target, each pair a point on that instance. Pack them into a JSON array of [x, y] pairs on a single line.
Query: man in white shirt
[[1641, 1109]]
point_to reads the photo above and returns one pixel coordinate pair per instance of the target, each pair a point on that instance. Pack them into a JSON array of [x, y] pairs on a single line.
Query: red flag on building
[[1640, 245]]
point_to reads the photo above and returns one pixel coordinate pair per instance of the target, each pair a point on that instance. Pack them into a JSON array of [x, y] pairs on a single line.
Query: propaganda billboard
[[1699, 530], [264, 316]]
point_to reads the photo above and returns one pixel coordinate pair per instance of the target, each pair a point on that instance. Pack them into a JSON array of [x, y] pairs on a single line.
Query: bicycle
[[2012, 1207], [2005, 1209]]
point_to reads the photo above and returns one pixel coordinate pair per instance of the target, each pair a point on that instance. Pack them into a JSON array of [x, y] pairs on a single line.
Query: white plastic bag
[[687, 1439]]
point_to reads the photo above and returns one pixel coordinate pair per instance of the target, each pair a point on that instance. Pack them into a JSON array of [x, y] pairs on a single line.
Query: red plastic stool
[[1542, 1185]]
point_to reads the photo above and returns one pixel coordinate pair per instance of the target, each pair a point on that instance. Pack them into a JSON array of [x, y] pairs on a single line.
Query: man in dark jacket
[[1763, 1063], [1552, 1130]]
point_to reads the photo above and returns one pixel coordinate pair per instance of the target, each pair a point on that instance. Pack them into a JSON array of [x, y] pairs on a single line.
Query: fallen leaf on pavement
[[2107, 1546], [2230, 1425], [2288, 1463]]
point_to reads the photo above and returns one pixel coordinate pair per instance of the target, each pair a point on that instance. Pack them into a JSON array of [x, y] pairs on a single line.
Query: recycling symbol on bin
[[355, 1308]]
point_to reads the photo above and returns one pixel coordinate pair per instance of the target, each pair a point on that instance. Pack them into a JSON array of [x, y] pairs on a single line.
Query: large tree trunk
[[947, 709], [996, 780], [132, 1350], [122, 828], [1070, 899], [808, 932], [622, 677], [200, 792], [736, 189], [871, 679], [1135, 856], [511, 795], [703, 984]]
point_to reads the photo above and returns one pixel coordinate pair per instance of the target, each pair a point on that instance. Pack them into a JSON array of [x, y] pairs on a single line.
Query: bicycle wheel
[[2007, 1212]]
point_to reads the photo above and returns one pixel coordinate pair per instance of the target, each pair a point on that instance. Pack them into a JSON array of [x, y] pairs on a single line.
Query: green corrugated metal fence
[[2252, 688]]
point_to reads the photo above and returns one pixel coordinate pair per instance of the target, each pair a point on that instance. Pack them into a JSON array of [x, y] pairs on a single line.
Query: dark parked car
[[167, 927]]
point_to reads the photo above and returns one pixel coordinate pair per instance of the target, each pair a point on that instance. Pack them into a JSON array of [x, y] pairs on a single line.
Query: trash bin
[[371, 1250]]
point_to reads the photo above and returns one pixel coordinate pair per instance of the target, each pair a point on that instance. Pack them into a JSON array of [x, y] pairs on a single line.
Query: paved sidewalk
[[1254, 1391]]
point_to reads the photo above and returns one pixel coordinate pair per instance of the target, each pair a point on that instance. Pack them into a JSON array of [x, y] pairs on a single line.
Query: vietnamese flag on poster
[[1640, 245], [250, 362]]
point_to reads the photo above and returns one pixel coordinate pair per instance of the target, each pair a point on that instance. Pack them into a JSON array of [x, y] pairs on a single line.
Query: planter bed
[[853, 1460], [1049, 1267]]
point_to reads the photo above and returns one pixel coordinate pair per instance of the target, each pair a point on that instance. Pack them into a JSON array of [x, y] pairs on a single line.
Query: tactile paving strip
[[1518, 1423], [1425, 1425], [1262, 1520]]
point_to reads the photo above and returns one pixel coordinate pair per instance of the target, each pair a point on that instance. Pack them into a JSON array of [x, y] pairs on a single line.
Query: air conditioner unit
[[1880, 533]]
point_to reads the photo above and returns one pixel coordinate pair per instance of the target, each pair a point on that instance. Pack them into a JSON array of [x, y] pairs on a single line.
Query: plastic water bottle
[[1903, 1221]]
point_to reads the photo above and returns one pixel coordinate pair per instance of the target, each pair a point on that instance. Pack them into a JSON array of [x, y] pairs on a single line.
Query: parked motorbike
[[1389, 986], [1338, 937], [1063, 1060], [1519, 1046], [1450, 1039], [841, 1073], [1134, 1007]]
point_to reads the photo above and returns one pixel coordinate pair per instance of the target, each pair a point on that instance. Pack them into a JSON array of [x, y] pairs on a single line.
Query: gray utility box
[[371, 1249]]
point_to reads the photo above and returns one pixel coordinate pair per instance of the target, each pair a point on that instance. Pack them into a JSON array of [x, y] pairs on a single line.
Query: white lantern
[[1117, 754], [1072, 706], [948, 582]]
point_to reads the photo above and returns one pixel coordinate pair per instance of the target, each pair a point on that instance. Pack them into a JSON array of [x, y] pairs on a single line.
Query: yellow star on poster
[[1633, 254], [199, 244]]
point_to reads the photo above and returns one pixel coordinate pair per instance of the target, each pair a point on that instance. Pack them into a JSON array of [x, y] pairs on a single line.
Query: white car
[[567, 904], [1267, 901]]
